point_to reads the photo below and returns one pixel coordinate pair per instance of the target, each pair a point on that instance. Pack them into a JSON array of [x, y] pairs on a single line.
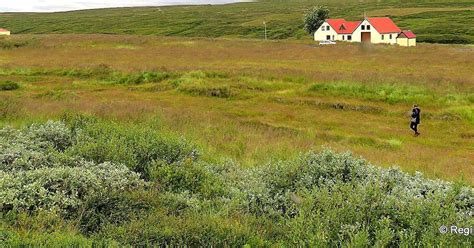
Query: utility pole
[[265, 24]]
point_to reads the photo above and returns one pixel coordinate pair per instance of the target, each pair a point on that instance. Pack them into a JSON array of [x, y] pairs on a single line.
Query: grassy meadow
[[254, 100], [446, 21], [117, 140]]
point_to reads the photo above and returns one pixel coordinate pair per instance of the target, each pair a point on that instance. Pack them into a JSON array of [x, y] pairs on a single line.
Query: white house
[[376, 30], [336, 29], [4, 32]]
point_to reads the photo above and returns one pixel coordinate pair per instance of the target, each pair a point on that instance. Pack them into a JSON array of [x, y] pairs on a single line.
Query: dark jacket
[[415, 114]]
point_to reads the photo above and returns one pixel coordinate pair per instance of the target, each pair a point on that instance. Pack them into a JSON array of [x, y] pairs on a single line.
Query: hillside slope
[[443, 21]]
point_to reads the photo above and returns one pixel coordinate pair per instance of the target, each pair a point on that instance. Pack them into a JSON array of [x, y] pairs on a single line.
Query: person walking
[[415, 119]]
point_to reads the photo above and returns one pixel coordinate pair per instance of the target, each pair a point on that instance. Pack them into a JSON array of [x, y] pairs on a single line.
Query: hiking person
[[415, 119]]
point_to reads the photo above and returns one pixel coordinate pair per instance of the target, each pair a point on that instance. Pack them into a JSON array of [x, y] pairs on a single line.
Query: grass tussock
[[9, 85], [390, 93]]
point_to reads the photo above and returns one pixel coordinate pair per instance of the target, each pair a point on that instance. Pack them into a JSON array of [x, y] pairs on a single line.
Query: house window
[[328, 37], [343, 37], [382, 37], [363, 27], [349, 37], [327, 28], [368, 27], [390, 36]]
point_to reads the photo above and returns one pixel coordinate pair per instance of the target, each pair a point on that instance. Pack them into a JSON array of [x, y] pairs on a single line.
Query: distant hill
[[443, 21]]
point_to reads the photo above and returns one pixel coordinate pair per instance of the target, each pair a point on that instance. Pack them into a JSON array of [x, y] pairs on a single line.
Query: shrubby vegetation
[[12, 43], [38, 174], [88, 182], [9, 85]]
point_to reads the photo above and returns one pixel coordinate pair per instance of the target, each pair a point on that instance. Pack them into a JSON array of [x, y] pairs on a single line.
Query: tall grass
[[390, 93]]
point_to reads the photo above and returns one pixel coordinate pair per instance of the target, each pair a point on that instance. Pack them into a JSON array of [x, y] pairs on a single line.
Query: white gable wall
[[321, 34], [375, 36]]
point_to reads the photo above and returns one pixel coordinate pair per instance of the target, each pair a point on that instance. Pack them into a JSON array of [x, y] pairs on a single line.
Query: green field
[[433, 21], [182, 127], [112, 140]]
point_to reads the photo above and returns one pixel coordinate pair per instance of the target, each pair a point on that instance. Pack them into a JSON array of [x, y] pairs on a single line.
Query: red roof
[[348, 27], [409, 34], [4, 30], [384, 25], [342, 26]]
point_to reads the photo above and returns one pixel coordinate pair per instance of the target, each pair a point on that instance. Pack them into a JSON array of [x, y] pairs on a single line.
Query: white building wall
[[357, 36], [345, 37], [321, 34], [4, 32], [406, 42], [387, 40], [375, 36]]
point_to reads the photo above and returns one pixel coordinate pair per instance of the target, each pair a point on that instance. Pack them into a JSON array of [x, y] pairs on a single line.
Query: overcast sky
[[63, 5]]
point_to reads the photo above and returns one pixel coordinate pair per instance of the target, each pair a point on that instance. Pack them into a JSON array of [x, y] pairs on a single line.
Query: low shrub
[[210, 91], [62, 188], [85, 175], [9, 85], [36, 173], [338, 198], [187, 176], [107, 209], [145, 77], [12, 43], [137, 148]]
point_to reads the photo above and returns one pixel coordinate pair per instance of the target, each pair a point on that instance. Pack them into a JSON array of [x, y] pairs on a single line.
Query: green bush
[[145, 77], [12, 43], [337, 198], [210, 91], [187, 177], [84, 176], [9, 85], [137, 148], [36, 174], [108, 209]]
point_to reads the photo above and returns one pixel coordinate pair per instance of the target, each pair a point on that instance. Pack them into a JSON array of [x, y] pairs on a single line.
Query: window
[[343, 37], [368, 27], [327, 28], [390, 36], [328, 37], [382, 37], [363, 27], [349, 37]]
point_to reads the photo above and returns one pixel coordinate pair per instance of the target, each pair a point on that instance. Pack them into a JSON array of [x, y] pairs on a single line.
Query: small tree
[[314, 18]]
